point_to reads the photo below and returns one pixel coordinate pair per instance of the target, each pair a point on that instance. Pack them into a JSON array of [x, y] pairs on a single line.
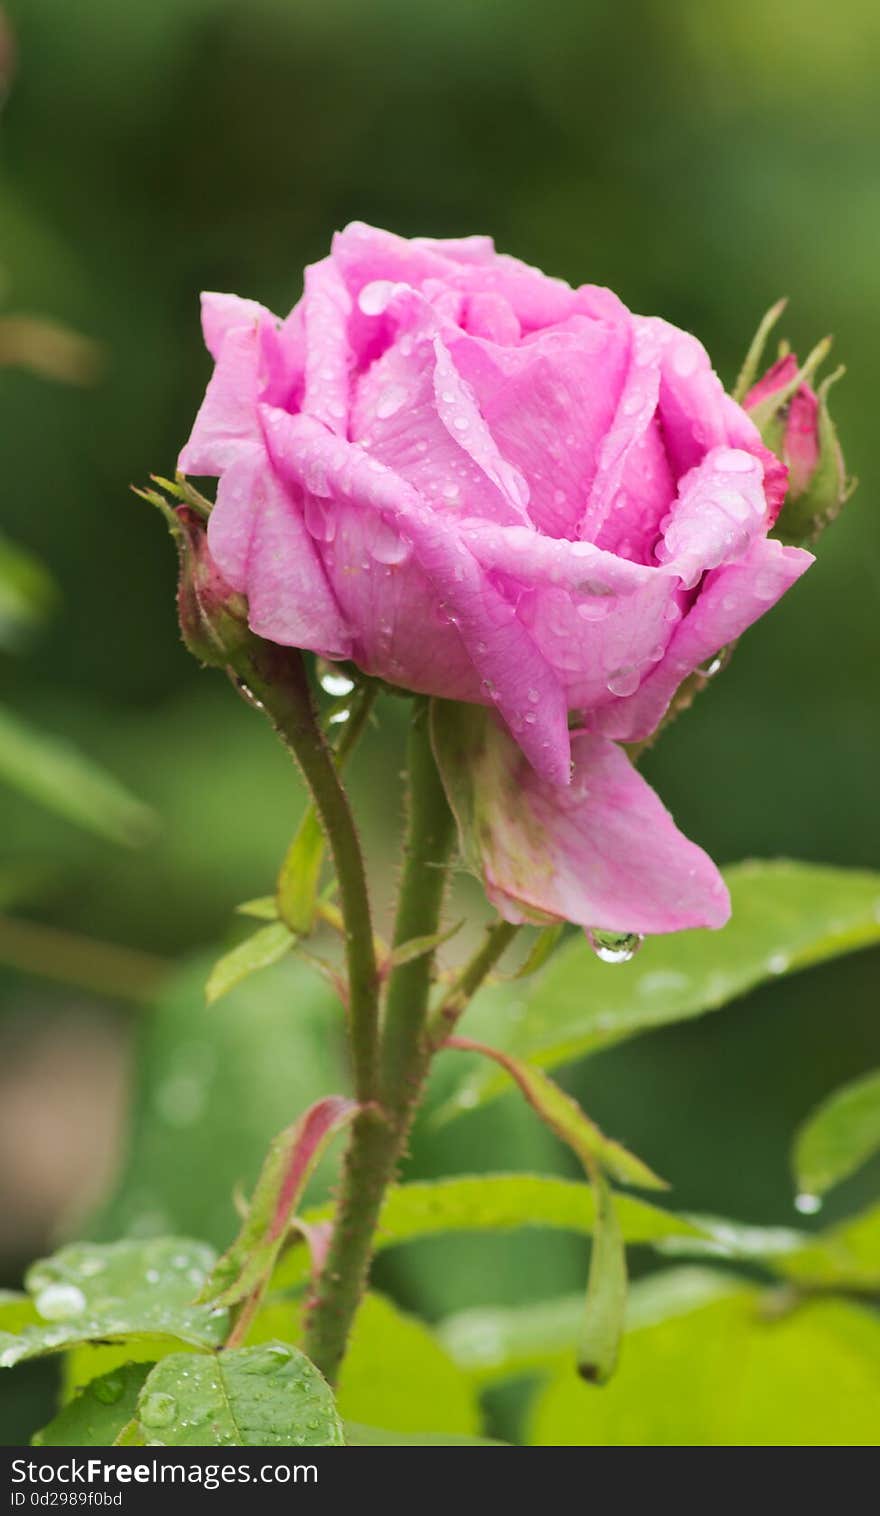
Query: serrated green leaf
[[727, 1375], [96, 1416], [564, 1117], [93, 1292], [258, 1397], [839, 1136], [786, 916], [247, 1265], [264, 947], [507, 1202], [602, 1327], [56, 775], [492, 1343], [396, 1371]]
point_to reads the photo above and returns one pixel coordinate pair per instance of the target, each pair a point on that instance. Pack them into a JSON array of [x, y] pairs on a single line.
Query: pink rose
[[481, 484]]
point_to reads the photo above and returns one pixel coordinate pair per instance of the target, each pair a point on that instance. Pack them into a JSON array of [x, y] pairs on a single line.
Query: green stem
[[275, 680], [428, 844], [498, 937], [379, 1133]]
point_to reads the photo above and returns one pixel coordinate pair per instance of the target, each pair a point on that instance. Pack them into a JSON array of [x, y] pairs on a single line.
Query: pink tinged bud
[[212, 616], [794, 421]]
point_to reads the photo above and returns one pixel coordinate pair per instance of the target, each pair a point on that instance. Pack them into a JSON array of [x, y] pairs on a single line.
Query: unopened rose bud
[[213, 616], [795, 423]]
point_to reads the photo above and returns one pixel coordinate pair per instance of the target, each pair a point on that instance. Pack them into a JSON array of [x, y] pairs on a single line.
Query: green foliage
[[786, 916], [839, 1136], [58, 776], [493, 1343], [247, 1265], [268, 945], [26, 592], [119, 1290], [602, 1328], [264, 1396], [845, 1257], [97, 1414], [728, 1375]]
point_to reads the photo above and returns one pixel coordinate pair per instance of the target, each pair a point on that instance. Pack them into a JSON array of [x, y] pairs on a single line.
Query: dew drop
[[807, 1204], [332, 682], [58, 1302], [777, 963], [614, 947], [624, 681], [390, 401], [109, 1389], [712, 667], [158, 1410]]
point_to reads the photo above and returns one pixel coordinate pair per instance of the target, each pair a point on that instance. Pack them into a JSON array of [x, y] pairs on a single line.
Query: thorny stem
[[379, 1136], [275, 679]]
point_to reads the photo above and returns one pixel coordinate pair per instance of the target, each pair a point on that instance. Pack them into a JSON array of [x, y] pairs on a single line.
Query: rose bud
[[479, 483], [794, 421]]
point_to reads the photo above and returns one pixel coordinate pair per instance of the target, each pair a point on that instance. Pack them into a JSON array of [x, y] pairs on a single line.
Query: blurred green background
[[701, 160]]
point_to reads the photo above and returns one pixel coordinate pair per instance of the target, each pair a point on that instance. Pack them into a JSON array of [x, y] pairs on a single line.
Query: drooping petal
[[221, 314], [227, 418], [730, 600], [502, 652], [604, 853]]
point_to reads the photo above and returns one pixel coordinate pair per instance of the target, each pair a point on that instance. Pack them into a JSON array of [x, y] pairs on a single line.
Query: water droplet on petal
[[614, 947], [624, 681]]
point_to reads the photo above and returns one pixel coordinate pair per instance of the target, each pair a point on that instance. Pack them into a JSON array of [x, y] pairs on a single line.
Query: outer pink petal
[[227, 419], [258, 540], [730, 600], [604, 853], [601, 621], [502, 652], [326, 310]]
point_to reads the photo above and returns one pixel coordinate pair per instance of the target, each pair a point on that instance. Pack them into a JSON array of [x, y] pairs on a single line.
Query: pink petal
[[365, 253], [221, 314], [413, 411], [502, 652], [730, 600], [631, 424], [719, 511], [227, 419], [604, 853], [548, 403], [258, 540], [326, 309], [600, 621]]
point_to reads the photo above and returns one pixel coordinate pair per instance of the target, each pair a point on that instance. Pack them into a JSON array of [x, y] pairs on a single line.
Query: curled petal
[[604, 853], [730, 600]]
